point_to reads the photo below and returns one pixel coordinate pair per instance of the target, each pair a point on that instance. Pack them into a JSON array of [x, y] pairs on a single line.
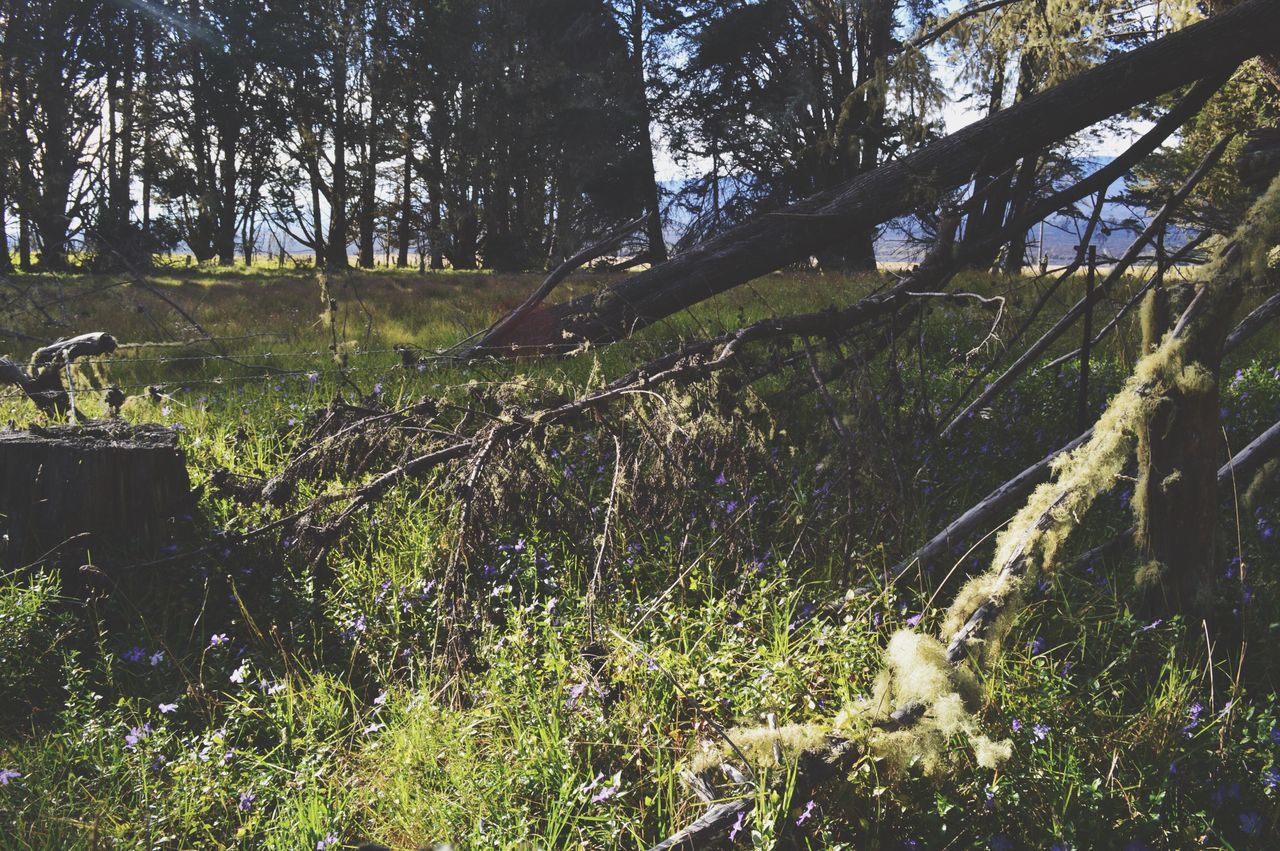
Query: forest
[[655, 424]]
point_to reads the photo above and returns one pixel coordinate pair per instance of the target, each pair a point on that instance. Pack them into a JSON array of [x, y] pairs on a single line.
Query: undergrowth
[[214, 701]]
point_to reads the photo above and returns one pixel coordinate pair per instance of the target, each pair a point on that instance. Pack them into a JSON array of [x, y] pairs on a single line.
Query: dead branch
[[996, 503], [1133, 301], [1038, 348], [504, 328], [42, 383]]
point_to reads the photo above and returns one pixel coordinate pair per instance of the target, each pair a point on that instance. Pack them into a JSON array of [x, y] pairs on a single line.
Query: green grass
[[738, 520]]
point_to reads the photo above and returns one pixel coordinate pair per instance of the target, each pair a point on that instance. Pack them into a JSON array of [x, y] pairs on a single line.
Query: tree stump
[[105, 488]]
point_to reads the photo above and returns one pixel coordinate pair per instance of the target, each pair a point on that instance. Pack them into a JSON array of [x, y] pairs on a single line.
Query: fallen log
[[1204, 50]]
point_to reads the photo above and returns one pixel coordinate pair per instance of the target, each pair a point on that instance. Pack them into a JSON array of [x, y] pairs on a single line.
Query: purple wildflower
[[329, 841], [1039, 731], [246, 801], [218, 639], [1194, 711], [136, 735], [166, 708], [137, 654], [238, 675], [1038, 646], [156, 658], [8, 774], [1271, 777], [737, 825], [1016, 725], [604, 794], [312, 378], [807, 814]]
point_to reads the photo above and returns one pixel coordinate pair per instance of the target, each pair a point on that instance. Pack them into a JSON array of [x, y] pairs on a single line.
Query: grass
[[213, 703]]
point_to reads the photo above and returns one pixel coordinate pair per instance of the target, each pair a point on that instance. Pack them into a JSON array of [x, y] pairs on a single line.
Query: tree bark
[[1175, 499], [773, 241], [110, 486]]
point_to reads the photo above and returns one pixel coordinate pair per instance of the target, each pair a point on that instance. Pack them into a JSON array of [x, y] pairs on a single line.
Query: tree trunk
[[225, 237], [657, 242], [337, 243], [1175, 500], [775, 240], [406, 205], [109, 487]]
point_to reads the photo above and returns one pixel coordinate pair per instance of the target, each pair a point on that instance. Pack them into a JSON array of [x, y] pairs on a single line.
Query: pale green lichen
[[762, 746]]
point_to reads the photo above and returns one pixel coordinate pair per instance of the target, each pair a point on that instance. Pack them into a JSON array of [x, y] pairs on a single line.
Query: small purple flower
[[7, 775], [1224, 794], [377, 389], [218, 639], [1155, 623], [246, 801], [1039, 731], [312, 378], [1194, 711], [914, 619], [807, 814], [576, 691], [1016, 725], [1271, 777], [136, 735], [720, 479], [737, 825], [137, 654], [166, 708], [329, 841], [156, 658], [238, 675], [604, 794], [1038, 646]]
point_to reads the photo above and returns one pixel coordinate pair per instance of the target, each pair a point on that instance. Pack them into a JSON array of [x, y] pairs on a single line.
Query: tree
[[788, 99], [750, 250], [54, 52]]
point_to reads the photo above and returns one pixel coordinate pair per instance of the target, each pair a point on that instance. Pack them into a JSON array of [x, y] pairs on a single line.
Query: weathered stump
[[104, 488]]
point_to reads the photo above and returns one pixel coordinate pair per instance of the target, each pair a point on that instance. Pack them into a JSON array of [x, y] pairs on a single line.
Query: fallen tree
[[927, 695], [1205, 50]]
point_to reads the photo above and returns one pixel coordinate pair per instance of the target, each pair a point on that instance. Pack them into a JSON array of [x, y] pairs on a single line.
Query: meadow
[[640, 584]]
